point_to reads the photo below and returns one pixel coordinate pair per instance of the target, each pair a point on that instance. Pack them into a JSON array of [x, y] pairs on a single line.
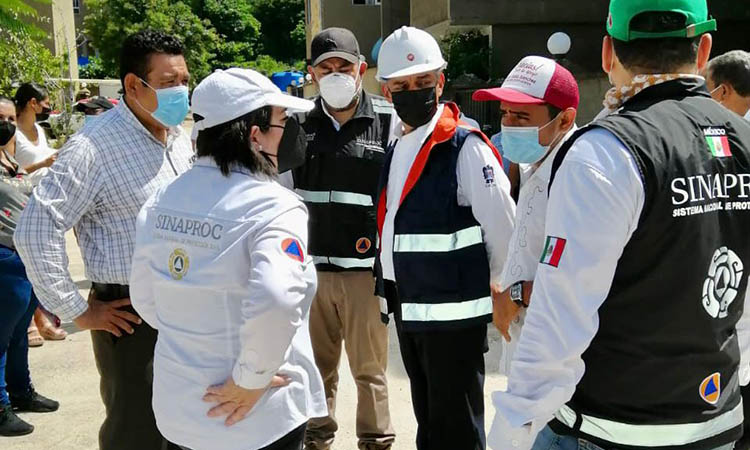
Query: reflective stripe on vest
[[348, 198], [652, 435], [437, 242], [443, 312], [383, 305], [346, 263]]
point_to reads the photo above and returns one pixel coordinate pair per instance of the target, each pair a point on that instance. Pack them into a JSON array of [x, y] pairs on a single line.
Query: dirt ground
[[66, 372]]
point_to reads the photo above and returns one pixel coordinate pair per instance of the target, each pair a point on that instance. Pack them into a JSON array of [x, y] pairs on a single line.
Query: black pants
[[446, 373], [125, 366], [292, 441]]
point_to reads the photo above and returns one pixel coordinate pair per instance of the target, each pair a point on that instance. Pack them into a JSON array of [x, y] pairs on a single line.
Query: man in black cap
[[347, 136]]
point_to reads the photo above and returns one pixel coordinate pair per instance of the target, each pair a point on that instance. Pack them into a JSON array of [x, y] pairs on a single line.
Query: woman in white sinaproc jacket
[[221, 270]]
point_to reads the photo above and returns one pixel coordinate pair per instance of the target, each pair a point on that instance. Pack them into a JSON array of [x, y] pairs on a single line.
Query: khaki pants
[[345, 308]]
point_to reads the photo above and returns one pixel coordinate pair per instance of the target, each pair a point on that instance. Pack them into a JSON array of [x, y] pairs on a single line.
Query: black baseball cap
[[94, 103], [334, 43]]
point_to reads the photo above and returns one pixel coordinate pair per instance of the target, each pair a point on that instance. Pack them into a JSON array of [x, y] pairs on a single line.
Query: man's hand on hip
[[107, 316]]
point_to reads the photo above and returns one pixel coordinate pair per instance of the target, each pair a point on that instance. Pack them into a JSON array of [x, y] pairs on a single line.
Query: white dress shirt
[[214, 273], [527, 240], [595, 202], [98, 184], [491, 204]]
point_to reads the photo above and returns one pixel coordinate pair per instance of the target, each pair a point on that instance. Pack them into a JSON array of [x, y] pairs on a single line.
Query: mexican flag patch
[[718, 142], [553, 250]]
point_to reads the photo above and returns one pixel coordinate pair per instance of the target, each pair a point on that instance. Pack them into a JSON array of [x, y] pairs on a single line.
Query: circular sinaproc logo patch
[[410, 57], [720, 287], [363, 245], [179, 262]]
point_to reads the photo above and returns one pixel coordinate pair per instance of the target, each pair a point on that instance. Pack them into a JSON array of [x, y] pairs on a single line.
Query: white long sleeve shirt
[[527, 241], [491, 204], [221, 269], [595, 203]]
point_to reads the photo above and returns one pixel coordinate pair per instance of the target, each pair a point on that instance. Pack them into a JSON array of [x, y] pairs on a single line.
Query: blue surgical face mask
[[521, 144], [173, 104]]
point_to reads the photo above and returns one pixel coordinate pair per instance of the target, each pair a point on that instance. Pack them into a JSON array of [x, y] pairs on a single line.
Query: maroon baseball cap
[[535, 81]]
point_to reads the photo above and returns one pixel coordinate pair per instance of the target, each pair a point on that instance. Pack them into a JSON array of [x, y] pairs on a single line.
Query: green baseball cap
[[622, 12]]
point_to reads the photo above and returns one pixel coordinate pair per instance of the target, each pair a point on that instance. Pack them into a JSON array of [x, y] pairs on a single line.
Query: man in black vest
[[445, 217], [347, 135], [633, 337]]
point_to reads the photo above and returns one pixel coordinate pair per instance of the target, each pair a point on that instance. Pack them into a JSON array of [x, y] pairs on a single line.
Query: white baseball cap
[[409, 51], [534, 81], [228, 94]]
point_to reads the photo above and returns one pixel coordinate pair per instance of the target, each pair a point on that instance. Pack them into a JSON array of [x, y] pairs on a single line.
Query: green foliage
[[109, 21], [283, 28], [266, 35], [238, 28], [16, 15], [95, 70], [467, 53], [23, 59]]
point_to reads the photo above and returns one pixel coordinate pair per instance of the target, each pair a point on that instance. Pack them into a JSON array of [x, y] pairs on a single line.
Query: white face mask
[[338, 89]]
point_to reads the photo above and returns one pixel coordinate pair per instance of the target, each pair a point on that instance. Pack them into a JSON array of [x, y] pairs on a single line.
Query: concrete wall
[[314, 18], [363, 20], [393, 15], [426, 13], [58, 22]]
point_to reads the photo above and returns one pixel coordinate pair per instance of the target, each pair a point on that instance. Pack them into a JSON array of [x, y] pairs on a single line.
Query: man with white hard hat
[[445, 216], [221, 269]]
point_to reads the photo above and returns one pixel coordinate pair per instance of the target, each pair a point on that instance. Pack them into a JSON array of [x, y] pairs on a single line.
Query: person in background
[[104, 175], [32, 150], [18, 302], [728, 81], [232, 300], [93, 107], [348, 134], [637, 333], [538, 100], [33, 153], [445, 217]]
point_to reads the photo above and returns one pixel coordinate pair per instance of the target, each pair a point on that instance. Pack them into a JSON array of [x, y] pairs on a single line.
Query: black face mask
[[415, 108], [44, 115], [7, 130], [292, 146]]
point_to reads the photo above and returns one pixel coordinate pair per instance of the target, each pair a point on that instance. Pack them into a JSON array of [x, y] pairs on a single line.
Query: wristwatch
[[516, 294]]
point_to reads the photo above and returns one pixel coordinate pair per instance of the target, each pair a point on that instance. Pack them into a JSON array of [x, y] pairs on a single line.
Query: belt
[[108, 292]]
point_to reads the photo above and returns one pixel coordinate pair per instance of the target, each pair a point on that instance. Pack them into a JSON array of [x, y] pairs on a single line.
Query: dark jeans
[[125, 365], [446, 373], [17, 305], [549, 440], [292, 441]]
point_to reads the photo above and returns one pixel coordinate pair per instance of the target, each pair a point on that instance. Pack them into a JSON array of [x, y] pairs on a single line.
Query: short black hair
[[137, 50], [660, 55], [553, 111], [26, 92], [229, 143], [732, 68]]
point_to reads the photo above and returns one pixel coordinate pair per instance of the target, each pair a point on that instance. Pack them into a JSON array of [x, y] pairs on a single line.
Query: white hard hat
[[408, 51], [228, 94]]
